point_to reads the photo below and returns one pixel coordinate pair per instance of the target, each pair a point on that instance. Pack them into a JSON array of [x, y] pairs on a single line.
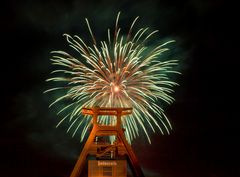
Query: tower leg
[[82, 158], [132, 158]]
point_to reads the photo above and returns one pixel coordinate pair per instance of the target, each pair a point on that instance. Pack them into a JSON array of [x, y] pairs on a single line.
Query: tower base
[[107, 168]]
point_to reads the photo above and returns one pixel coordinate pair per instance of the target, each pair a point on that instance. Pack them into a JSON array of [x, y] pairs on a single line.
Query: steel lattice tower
[[119, 147]]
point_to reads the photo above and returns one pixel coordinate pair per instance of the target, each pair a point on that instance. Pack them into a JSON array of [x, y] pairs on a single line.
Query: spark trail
[[120, 72]]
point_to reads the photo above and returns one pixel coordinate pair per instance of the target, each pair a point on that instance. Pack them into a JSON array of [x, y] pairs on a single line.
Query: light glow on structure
[[120, 72]]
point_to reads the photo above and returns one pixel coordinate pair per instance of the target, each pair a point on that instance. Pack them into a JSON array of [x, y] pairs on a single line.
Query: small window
[[107, 171]]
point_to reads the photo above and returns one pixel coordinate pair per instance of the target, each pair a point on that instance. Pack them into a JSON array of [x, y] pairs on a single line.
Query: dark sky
[[204, 141]]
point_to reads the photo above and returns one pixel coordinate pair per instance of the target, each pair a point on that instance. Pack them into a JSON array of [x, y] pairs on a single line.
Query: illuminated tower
[[107, 152]]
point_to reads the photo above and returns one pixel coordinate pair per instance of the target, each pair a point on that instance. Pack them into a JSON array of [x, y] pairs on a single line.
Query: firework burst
[[120, 72]]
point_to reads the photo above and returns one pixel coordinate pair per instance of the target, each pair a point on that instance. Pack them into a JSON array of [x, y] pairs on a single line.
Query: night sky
[[204, 141]]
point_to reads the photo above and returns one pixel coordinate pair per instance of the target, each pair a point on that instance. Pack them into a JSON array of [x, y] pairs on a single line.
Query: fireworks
[[122, 72]]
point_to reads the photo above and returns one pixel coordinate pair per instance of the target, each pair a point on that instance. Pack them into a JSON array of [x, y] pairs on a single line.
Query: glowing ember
[[116, 88]]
